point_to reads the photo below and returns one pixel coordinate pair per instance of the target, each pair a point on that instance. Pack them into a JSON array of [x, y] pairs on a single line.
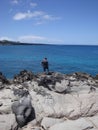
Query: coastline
[[8, 43]]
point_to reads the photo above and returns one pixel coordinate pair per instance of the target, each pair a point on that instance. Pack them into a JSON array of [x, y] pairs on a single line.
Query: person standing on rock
[[45, 65]]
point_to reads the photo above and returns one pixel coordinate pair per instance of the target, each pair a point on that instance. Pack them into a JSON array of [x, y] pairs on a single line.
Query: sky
[[49, 21]]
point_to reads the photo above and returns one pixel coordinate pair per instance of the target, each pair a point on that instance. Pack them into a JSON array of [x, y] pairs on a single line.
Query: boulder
[[23, 110], [63, 87]]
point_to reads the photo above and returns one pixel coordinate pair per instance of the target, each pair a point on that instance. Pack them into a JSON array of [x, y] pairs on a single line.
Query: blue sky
[[49, 21]]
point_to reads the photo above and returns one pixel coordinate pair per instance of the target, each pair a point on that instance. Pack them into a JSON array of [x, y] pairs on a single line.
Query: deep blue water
[[62, 58]]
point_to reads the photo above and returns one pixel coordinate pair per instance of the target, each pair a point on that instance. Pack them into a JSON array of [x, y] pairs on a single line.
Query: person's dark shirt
[[45, 63]]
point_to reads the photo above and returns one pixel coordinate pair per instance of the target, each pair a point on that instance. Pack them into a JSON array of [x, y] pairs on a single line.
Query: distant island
[[7, 42]]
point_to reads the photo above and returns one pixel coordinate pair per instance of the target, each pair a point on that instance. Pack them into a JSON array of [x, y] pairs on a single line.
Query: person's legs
[[44, 69], [47, 69]]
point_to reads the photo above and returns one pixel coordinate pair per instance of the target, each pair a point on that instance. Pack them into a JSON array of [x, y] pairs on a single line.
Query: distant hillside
[[6, 42]]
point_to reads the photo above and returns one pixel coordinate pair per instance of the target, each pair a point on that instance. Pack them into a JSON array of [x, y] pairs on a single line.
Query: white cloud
[[50, 17], [32, 39], [15, 1], [39, 22], [20, 16], [40, 17], [29, 14], [38, 39], [33, 4], [6, 38]]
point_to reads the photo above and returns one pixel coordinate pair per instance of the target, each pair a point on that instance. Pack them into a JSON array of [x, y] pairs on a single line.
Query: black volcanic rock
[[3, 79], [23, 76], [49, 81], [96, 77]]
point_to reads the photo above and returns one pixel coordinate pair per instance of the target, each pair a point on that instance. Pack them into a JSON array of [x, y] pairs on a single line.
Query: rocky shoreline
[[51, 101]]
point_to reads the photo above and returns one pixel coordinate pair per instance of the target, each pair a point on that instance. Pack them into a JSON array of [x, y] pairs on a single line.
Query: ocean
[[62, 58]]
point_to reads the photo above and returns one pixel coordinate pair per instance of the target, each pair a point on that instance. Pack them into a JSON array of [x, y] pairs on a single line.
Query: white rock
[[6, 121], [48, 122], [61, 87], [80, 124], [73, 105]]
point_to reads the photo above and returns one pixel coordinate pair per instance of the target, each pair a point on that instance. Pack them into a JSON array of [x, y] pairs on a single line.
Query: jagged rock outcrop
[[23, 76], [3, 81], [54, 82], [59, 101]]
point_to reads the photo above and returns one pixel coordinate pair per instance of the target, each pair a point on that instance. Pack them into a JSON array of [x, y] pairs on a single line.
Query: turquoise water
[[62, 58]]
